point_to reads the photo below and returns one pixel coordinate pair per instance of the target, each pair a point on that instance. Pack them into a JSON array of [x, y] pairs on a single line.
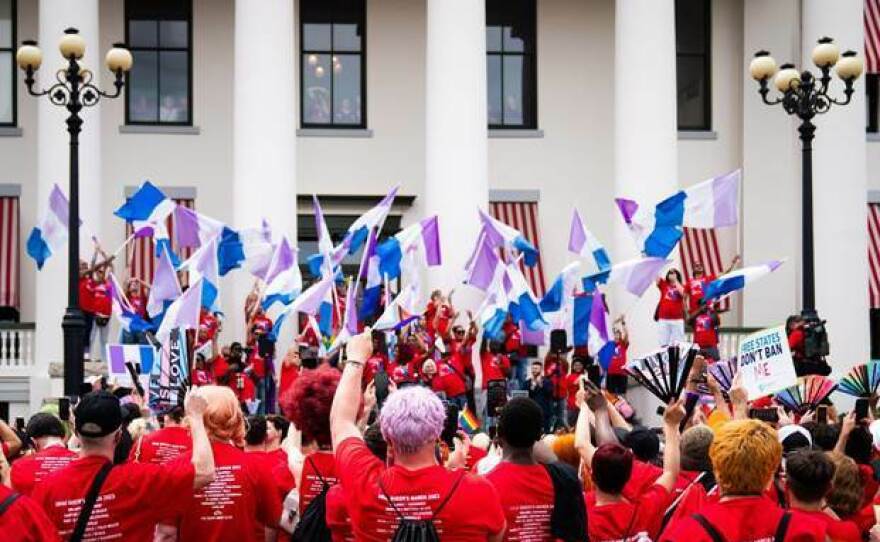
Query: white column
[[645, 130], [771, 207], [456, 146], [264, 130], [840, 190], [52, 167]]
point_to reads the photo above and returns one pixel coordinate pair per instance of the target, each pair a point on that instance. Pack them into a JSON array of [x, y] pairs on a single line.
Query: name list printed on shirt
[[100, 527], [217, 499], [766, 363], [410, 506], [532, 522]]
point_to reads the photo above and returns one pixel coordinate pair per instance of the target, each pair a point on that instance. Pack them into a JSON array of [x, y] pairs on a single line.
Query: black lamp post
[[806, 96], [73, 91]]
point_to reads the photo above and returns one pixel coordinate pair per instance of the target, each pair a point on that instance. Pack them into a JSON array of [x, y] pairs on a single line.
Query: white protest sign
[[765, 363]]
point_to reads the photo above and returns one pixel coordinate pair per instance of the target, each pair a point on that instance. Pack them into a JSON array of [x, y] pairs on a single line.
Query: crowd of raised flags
[[575, 300]]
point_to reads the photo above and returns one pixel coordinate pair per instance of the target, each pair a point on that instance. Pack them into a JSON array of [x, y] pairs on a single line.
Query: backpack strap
[[89, 503], [449, 495], [709, 528], [317, 472], [388, 498], [782, 529], [8, 501]]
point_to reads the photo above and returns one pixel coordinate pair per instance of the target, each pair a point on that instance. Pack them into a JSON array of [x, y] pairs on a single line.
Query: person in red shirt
[[307, 405], [134, 496], [461, 506], [291, 365], [453, 382], [378, 362], [616, 378], [555, 369], [525, 486], [670, 309], [102, 305], [745, 455], [166, 444], [241, 499], [23, 520], [706, 323], [47, 433], [572, 384], [86, 304], [808, 476], [9, 441], [695, 287], [612, 515], [260, 325]]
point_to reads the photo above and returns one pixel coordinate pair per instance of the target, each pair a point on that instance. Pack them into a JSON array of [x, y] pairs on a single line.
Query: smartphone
[[64, 408], [450, 425], [769, 415], [862, 405], [19, 424], [381, 382], [822, 414], [594, 373]]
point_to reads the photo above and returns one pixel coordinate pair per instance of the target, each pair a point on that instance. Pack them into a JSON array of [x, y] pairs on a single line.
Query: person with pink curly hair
[[461, 506]]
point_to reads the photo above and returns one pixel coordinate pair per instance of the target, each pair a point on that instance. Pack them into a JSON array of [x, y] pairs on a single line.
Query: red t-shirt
[[671, 301], [134, 497], [744, 519], [86, 295], [571, 389], [316, 463], [494, 367], [705, 332], [555, 372], [473, 511], [694, 289], [642, 478], [627, 520], [25, 521], [838, 531], [162, 446], [219, 367], [289, 374], [208, 326], [101, 303], [31, 469], [233, 507], [284, 480], [449, 380], [139, 304], [261, 325], [526, 493], [444, 319], [618, 360], [474, 455], [338, 518]]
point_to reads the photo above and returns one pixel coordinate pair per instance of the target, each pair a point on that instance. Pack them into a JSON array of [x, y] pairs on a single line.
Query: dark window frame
[[157, 49], [532, 53], [706, 55], [14, 66], [362, 54], [872, 102]]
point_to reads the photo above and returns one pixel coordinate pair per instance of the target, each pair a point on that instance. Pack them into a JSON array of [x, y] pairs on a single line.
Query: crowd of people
[[413, 435]]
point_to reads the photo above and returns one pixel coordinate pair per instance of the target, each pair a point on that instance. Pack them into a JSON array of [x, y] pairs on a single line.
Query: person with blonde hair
[[242, 499], [745, 454]]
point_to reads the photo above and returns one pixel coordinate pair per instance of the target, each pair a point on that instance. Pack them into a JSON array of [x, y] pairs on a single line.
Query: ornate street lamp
[[806, 96], [73, 91]]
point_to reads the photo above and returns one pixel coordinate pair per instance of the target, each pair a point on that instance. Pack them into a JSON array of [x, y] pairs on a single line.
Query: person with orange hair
[[745, 454], [242, 498]]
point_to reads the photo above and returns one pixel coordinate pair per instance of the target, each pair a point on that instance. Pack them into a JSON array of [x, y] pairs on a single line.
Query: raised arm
[[347, 401], [672, 418], [202, 454], [582, 442], [739, 398], [10, 438], [849, 423]]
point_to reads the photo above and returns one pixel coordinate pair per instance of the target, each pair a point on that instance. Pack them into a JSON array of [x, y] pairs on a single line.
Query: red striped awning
[[9, 252], [700, 245], [874, 255], [141, 254], [523, 215], [872, 36]]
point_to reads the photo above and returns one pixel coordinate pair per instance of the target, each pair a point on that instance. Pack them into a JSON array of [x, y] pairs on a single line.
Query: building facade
[[245, 108]]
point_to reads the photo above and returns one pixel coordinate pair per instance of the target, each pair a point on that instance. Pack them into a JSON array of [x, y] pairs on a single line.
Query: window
[[510, 64], [332, 66], [159, 33], [693, 64], [7, 63], [872, 102]]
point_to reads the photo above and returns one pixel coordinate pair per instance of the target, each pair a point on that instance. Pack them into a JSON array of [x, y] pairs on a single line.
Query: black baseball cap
[[98, 414]]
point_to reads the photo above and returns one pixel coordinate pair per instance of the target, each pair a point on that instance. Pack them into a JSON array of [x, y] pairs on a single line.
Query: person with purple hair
[[462, 507]]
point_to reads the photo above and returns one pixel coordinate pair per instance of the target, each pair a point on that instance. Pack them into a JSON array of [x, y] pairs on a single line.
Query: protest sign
[[170, 375], [765, 362], [140, 356]]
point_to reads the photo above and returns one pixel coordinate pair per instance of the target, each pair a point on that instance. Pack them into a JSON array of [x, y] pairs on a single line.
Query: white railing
[[729, 339], [16, 346]]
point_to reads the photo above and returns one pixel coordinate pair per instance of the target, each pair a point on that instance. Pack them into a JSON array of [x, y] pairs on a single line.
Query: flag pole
[[124, 244]]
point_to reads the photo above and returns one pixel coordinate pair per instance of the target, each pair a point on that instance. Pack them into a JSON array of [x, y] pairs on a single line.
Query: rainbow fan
[[665, 371], [724, 372], [862, 380], [807, 394]]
